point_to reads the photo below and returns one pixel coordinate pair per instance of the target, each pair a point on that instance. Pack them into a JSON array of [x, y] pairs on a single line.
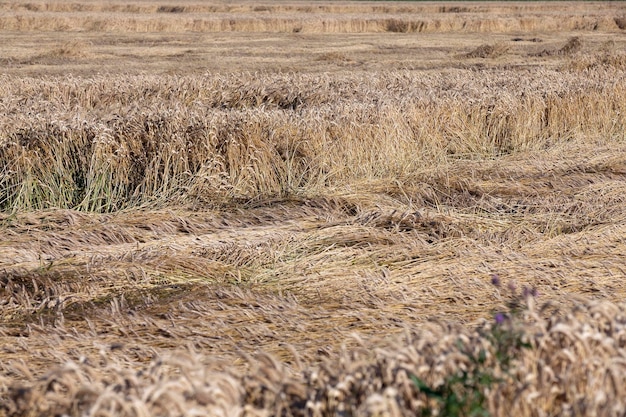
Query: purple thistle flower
[[495, 280], [530, 292], [500, 318]]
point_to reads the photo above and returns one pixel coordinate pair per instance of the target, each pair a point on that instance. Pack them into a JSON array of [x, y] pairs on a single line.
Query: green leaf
[[482, 356], [423, 387]]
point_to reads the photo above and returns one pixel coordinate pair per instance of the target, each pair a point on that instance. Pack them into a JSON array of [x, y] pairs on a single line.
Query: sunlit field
[[312, 208]]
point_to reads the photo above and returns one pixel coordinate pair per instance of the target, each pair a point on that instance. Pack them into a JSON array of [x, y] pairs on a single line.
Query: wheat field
[[312, 209]]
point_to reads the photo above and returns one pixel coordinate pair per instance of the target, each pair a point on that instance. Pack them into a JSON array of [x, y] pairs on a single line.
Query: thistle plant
[[464, 393]]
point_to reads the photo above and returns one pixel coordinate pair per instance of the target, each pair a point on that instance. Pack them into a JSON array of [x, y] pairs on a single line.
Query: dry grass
[[335, 17], [488, 51], [216, 139], [161, 37], [295, 222]]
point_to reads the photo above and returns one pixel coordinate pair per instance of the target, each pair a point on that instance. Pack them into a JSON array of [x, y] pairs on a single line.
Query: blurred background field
[[85, 37]]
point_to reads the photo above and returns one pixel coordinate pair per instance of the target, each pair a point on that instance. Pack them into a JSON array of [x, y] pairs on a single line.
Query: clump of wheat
[[488, 51], [561, 362], [85, 143], [321, 18]]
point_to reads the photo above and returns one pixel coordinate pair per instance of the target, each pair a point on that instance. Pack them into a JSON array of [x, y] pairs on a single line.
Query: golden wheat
[[193, 224], [576, 365], [319, 18], [219, 138]]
